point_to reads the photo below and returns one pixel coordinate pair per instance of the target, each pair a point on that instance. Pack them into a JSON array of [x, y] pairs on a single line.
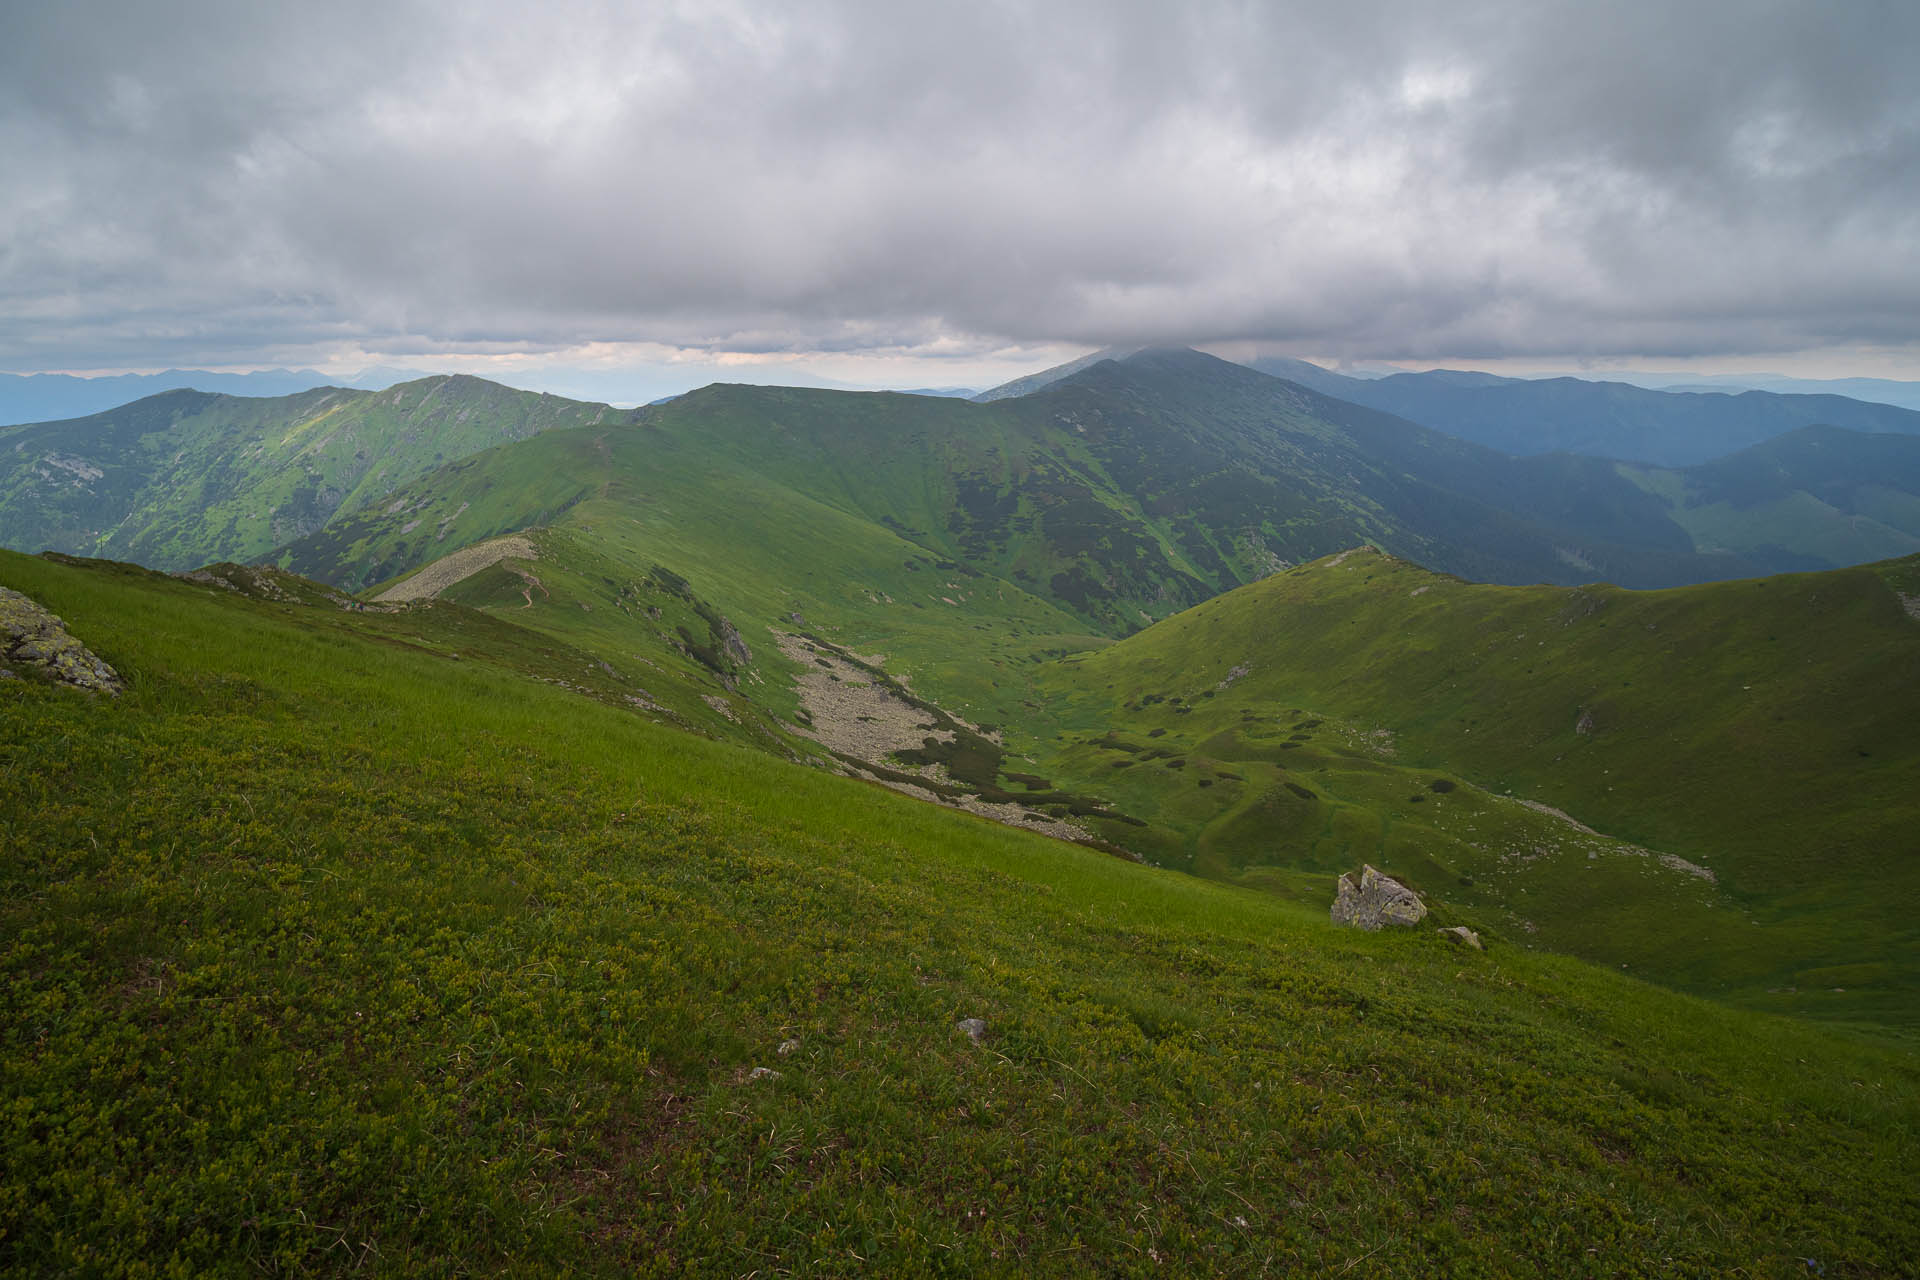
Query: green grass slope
[[185, 478], [1115, 497], [1764, 730], [613, 503], [325, 952]]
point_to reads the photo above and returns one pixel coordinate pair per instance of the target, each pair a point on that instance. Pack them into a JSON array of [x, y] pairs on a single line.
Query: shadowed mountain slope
[[1601, 419]]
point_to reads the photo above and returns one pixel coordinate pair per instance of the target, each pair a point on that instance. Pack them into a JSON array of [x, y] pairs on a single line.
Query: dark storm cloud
[[202, 182]]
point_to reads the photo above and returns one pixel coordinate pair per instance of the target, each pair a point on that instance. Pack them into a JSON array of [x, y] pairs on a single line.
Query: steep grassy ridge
[[1764, 729], [325, 952], [184, 478], [621, 500]]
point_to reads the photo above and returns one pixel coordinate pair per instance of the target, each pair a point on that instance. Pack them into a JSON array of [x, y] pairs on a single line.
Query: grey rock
[[1376, 902], [733, 645], [975, 1028], [788, 1048], [29, 634], [1464, 936], [763, 1073]]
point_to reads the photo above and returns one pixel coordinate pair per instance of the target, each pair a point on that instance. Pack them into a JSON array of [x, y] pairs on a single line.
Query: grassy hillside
[[326, 951], [1118, 495], [907, 539], [184, 478], [1363, 708]]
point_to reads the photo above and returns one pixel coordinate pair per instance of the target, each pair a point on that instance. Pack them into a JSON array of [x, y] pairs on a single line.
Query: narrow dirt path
[[459, 566]]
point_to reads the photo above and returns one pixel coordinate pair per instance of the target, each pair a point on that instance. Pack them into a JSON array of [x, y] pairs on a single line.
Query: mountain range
[[186, 477], [1167, 476], [1602, 419], [521, 828], [44, 397]]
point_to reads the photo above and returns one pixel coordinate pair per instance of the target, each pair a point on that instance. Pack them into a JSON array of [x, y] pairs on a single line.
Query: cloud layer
[[218, 182]]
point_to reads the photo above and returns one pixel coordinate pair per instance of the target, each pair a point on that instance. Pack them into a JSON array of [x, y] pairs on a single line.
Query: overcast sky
[[938, 194]]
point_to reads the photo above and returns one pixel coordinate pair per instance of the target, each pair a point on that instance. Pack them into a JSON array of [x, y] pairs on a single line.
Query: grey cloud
[[1388, 179]]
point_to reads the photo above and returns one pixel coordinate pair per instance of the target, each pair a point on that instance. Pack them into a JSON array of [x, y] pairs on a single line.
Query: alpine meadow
[[645, 640]]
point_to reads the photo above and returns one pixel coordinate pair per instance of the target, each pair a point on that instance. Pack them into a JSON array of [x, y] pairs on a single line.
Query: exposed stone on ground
[[763, 1073], [1585, 723], [1375, 902], [733, 645], [32, 636], [975, 1028], [1464, 936], [266, 582], [853, 713], [1674, 862], [788, 1048]]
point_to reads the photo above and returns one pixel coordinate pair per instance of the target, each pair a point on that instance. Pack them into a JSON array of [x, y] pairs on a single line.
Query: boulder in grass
[[1376, 901], [33, 637]]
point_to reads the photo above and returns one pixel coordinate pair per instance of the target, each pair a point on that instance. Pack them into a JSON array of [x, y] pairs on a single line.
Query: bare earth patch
[[459, 566], [851, 713], [857, 717]]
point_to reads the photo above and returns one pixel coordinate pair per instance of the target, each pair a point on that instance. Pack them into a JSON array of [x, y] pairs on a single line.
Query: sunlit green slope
[[323, 950], [1764, 731]]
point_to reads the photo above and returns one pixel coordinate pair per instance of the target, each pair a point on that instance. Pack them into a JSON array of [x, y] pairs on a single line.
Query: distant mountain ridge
[[1032, 382], [1227, 470], [1598, 419], [1119, 493], [47, 397], [183, 478]]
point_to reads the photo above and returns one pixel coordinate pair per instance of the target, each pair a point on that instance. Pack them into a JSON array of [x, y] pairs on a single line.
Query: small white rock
[[787, 1047], [763, 1073], [975, 1028]]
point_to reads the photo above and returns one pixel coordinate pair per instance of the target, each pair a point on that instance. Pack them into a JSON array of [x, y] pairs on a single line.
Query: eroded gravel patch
[[856, 716], [851, 712]]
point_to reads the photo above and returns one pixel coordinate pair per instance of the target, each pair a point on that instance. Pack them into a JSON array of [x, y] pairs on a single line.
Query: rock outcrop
[[31, 636], [1376, 902]]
